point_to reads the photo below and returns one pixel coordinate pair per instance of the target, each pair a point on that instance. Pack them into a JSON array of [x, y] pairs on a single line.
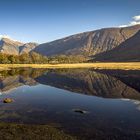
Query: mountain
[[28, 47], [88, 43], [9, 46], [127, 51]]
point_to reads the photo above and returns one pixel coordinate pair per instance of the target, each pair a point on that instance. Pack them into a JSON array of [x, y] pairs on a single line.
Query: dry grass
[[121, 66]]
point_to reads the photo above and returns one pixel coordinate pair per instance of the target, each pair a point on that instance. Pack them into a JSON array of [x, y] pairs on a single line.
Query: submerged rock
[[80, 111], [8, 100]]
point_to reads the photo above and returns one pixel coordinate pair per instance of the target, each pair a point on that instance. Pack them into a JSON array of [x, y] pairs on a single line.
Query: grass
[[121, 66], [10, 131]]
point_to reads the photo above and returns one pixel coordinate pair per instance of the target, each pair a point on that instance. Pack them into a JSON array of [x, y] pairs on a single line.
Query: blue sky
[[46, 20]]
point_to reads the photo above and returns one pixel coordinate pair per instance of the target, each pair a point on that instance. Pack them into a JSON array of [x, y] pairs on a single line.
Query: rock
[[80, 111], [8, 100]]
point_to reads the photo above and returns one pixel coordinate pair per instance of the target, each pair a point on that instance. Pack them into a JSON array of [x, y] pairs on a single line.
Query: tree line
[[35, 58]]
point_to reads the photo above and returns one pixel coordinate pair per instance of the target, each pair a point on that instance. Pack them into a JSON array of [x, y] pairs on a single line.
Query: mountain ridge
[[88, 43]]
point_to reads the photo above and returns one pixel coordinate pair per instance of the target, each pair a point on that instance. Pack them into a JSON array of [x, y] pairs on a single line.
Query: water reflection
[[108, 84], [51, 96]]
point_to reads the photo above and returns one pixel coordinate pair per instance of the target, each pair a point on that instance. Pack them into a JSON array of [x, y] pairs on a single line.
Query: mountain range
[[108, 44]]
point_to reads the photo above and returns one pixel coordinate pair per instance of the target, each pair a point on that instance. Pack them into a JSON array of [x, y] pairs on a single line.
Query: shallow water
[[109, 99]]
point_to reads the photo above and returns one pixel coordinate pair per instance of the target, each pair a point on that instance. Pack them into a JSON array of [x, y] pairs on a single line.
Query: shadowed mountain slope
[[127, 51]]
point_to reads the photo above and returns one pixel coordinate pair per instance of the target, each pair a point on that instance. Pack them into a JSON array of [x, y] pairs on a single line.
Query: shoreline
[[106, 65]]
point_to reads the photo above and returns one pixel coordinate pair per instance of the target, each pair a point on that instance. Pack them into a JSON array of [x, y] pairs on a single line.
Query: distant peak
[[7, 38]]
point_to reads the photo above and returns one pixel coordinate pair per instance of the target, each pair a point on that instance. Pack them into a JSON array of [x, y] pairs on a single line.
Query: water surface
[[110, 99]]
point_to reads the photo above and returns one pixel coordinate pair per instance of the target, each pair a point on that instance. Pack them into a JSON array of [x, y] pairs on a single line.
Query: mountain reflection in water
[[108, 84]]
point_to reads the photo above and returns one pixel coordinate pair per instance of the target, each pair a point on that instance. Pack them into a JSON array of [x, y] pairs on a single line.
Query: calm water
[[110, 99]]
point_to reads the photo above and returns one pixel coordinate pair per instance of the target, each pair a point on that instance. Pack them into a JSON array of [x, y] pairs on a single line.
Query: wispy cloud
[[136, 18], [135, 21]]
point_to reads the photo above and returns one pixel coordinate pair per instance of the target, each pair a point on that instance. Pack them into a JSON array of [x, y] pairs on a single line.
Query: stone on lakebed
[[8, 100], [80, 111]]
